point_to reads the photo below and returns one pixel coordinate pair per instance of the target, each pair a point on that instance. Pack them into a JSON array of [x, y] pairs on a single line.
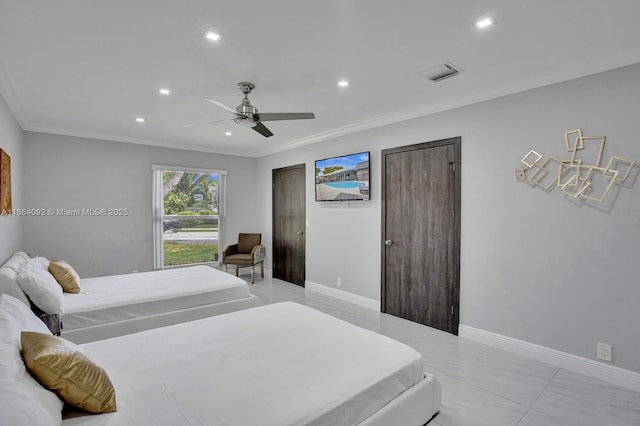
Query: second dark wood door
[[289, 198], [421, 233]]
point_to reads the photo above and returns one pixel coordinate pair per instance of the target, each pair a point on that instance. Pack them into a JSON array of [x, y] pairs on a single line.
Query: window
[[187, 205]]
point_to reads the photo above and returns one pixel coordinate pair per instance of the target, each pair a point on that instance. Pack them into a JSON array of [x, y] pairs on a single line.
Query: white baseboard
[[343, 295], [609, 373]]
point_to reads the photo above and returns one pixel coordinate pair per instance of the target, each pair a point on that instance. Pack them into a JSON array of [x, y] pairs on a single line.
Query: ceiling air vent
[[439, 73]]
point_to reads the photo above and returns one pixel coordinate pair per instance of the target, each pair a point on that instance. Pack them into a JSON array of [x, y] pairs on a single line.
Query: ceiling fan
[[247, 115]]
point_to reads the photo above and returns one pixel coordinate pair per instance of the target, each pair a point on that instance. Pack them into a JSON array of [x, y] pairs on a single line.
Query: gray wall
[[535, 266], [11, 143], [73, 173]]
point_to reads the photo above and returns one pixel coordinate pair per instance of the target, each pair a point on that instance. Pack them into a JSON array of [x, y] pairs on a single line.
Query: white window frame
[[158, 202]]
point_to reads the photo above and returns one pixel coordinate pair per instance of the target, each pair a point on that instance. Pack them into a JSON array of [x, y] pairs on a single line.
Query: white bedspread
[[120, 297], [277, 365]]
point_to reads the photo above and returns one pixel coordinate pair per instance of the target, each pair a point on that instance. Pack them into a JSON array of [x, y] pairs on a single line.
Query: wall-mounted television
[[344, 178]]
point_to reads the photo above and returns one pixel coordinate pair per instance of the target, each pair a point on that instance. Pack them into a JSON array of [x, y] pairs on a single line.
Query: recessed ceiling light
[[343, 83], [165, 92], [228, 133], [210, 35], [486, 22], [140, 120]]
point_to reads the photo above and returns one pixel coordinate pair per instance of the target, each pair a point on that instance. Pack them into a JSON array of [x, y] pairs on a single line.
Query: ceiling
[[89, 68]]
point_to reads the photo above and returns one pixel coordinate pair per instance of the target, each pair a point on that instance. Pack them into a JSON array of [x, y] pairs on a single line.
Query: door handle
[[388, 242], [300, 232]]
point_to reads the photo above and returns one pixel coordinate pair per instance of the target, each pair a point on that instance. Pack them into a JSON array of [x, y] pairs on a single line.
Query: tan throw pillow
[[61, 367], [65, 275]]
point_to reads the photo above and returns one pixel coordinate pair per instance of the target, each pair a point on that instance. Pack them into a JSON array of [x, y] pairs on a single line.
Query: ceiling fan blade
[[221, 105], [205, 123], [262, 129], [273, 116]]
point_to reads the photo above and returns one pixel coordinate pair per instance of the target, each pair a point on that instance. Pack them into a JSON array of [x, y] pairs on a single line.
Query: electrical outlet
[[339, 282], [604, 352]]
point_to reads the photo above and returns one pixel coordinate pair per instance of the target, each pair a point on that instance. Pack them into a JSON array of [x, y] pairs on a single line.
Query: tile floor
[[482, 385]]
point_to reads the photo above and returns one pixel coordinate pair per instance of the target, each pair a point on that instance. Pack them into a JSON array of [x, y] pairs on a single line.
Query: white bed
[[122, 304], [276, 365]]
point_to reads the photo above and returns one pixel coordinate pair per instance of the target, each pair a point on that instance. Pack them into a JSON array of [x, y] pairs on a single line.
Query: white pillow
[[15, 317], [9, 284], [41, 262], [24, 400], [14, 263], [38, 283], [23, 255]]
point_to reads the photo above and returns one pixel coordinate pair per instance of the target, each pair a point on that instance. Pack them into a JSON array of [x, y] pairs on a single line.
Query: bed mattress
[[275, 365], [103, 300]]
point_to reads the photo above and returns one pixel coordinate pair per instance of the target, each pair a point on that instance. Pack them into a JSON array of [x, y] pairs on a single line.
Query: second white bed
[[121, 304], [276, 365]]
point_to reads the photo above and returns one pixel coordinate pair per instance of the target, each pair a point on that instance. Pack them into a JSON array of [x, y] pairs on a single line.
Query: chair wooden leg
[[237, 270], [262, 270], [253, 273]]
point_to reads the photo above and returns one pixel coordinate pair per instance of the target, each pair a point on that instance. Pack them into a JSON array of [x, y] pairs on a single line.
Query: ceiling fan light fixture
[[246, 115], [245, 122]]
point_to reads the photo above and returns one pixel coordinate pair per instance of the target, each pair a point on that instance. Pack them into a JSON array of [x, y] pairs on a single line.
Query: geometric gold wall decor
[[545, 176], [589, 140], [609, 176], [578, 177], [531, 159], [570, 173], [613, 165], [575, 187], [573, 140]]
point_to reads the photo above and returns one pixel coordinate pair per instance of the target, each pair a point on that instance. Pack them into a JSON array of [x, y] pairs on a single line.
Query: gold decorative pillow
[[68, 279], [61, 367]]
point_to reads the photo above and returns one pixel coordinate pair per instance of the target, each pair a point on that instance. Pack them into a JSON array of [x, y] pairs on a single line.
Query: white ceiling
[[89, 68]]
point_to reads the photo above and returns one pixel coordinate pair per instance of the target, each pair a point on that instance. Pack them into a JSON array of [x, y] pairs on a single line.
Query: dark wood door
[[289, 200], [421, 233]]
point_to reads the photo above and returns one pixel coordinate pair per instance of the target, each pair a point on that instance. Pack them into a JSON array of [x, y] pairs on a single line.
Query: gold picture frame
[[5, 183]]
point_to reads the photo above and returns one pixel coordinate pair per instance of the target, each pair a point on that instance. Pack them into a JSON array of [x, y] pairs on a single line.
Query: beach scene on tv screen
[[343, 178]]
